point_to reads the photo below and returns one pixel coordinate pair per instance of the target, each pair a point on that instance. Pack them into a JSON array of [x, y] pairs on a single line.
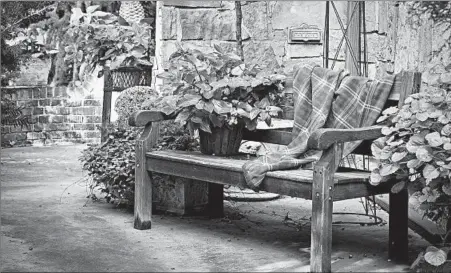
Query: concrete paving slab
[[46, 227]]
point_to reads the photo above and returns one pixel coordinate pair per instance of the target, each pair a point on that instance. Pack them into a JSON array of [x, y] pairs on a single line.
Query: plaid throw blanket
[[328, 99]]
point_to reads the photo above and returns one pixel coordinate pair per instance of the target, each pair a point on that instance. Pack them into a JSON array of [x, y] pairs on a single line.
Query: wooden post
[[215, 200], [106, 106], [398, 226], [322, 208], [143, 178], [353, 41]]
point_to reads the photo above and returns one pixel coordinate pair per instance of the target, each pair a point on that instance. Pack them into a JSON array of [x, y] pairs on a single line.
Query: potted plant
[[416, 150], [218, 94]]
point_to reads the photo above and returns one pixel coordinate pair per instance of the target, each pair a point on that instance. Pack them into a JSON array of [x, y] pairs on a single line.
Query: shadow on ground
[[48, 224]]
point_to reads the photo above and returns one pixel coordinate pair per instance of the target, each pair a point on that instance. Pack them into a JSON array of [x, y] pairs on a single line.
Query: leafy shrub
[[133, 99], [416, 150], [111, 165], [218, 89]]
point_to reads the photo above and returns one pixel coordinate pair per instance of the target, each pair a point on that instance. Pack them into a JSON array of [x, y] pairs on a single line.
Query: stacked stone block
[[55, 114]]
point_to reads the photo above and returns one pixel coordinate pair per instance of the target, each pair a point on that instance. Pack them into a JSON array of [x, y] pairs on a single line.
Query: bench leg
[[215, 200], [321, 234], [143, 178], [398, 226], [322, 208]]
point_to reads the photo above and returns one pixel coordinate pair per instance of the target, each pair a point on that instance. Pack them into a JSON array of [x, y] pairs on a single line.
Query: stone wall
[[265, 29], [416, 45], [56, 114]]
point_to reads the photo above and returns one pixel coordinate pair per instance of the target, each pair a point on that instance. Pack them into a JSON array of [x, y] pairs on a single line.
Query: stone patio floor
[[47, 228]]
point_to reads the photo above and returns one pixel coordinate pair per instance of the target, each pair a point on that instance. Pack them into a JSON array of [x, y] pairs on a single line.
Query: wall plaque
[[305, 34]]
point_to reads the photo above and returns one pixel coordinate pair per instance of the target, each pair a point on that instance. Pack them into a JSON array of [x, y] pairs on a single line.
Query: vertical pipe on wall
[[353, 33], [326, 38]]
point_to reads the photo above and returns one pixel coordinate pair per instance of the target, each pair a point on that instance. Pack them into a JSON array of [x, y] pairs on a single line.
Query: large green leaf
[[398, 187], [263, 103], [430, 172], [205, 125], [209, 107], [254, 113], [221, 107], [242, 113], [434, 139], [398, 156], [388, 169], [424, 154], [183, 116], [375, 177], [435, 256], [188, 100], [414, 163]]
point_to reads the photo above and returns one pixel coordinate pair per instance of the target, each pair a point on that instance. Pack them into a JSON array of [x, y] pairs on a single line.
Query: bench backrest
[[405, 83]]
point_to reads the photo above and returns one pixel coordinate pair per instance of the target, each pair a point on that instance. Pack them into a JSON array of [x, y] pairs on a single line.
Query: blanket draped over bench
[[323, 99]]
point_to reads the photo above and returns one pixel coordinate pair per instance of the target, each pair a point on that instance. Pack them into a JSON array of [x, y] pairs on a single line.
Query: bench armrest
[[322, 139], [143, 117]]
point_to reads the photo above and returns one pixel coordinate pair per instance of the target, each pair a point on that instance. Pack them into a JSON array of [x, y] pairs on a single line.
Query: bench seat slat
[[297, 183]]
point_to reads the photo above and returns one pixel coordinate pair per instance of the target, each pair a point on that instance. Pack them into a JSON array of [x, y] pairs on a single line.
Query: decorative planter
[[125, 77], [223, 141]]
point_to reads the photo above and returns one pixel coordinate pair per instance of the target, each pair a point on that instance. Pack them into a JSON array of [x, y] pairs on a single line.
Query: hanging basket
[[126, 77], [222, 141]]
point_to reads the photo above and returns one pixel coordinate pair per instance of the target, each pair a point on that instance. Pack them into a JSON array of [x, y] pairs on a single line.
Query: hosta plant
[[416, 151], [216, 89]]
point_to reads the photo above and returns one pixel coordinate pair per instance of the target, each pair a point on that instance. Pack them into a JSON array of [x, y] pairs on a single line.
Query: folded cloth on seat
[[323, 99]]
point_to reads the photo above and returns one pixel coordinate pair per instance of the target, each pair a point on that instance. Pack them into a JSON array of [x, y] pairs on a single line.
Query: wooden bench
[[323, 185]]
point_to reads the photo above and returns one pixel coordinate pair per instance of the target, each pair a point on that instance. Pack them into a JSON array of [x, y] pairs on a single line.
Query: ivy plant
[[218, 89], [416, 151]]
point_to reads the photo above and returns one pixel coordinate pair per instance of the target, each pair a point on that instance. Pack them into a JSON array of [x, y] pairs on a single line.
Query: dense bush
[[133, 99], [111, 165]]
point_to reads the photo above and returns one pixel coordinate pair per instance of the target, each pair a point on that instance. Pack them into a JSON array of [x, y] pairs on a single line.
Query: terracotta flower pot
[[222, 141]]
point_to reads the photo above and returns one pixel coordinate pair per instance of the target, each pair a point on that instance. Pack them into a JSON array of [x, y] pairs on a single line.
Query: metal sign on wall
[[305, 34]]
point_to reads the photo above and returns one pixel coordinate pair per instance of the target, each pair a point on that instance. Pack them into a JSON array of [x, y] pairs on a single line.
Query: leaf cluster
[[438, 11], [416, 150], [217, 89], [11, 114], [111, 165], [96, 37]]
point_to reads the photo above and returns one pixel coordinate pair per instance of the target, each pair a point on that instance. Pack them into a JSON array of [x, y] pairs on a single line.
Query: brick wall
[[56, 114]]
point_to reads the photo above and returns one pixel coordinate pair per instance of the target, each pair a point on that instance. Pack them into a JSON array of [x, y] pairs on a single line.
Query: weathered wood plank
[[410, 84], [143, 179], [322, 208], [269, 136], [227, 171], [143, 117], [322, 139]]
